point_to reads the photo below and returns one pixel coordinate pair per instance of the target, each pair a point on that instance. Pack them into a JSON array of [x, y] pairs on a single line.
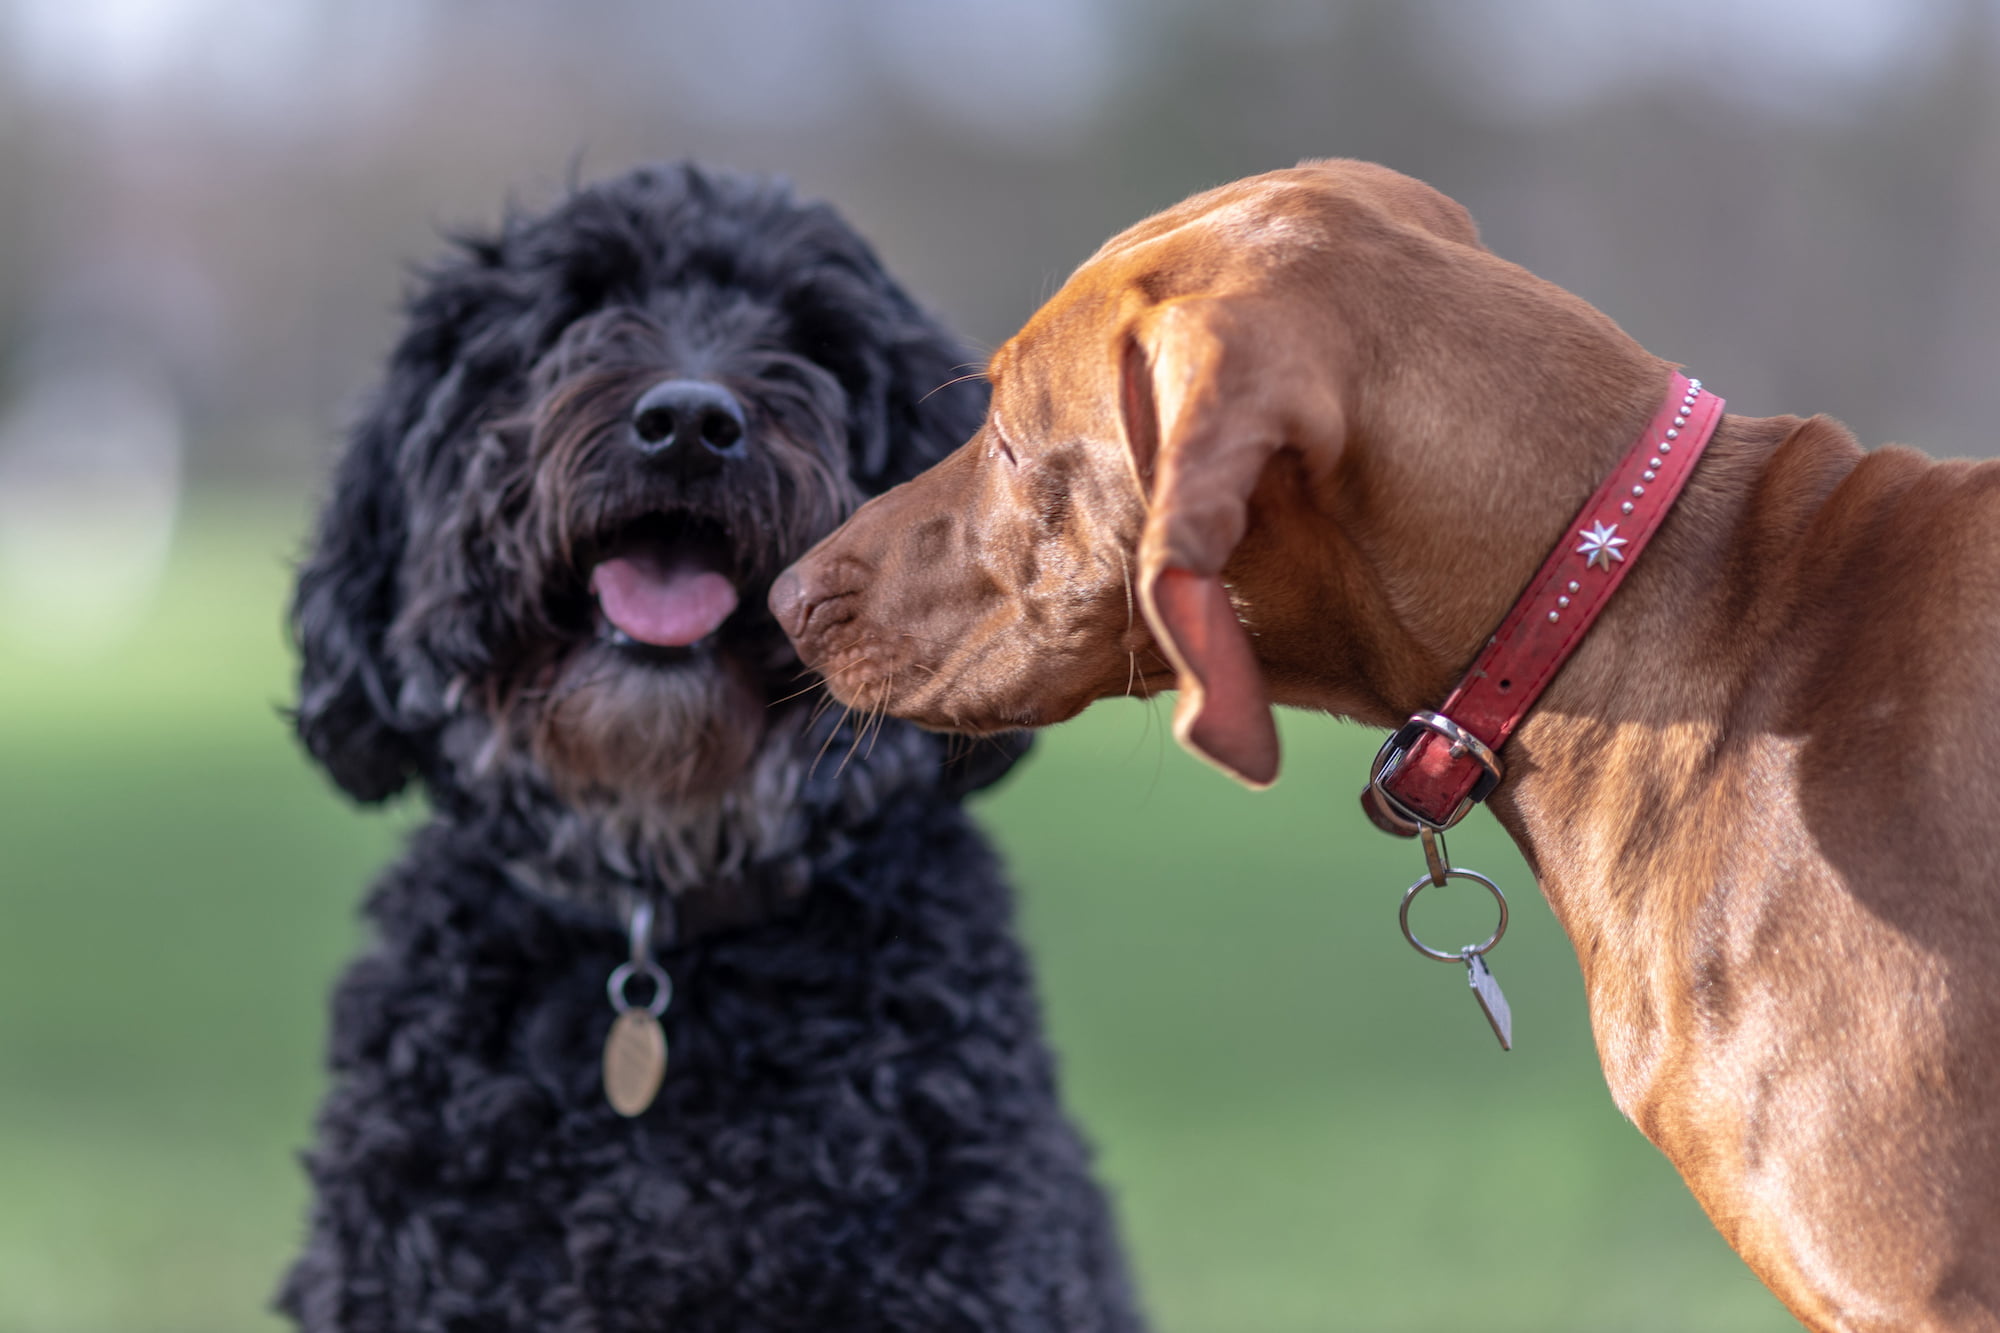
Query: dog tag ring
[[635, 1050], [1485, 987]]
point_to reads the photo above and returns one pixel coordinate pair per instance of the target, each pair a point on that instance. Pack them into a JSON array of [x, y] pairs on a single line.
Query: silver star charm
[[1601, 544]]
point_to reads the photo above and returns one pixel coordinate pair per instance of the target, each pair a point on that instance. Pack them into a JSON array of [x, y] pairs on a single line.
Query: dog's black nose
[[691, 424]]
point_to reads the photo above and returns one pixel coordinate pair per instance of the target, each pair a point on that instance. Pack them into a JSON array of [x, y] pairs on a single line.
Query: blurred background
[[206, 207]]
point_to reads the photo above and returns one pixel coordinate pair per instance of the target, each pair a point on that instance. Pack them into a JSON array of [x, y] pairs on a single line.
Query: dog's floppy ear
[[1202, 422], [347, 595]]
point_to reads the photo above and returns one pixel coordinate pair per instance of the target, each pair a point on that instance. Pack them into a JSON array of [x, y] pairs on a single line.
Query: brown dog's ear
[[1202, 421], [1222, 714]]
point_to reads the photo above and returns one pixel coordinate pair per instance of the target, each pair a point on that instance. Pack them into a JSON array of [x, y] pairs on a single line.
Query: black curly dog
[[538, 592]]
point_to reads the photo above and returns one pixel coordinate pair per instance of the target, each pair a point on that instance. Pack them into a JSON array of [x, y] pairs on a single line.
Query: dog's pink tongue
[[668, 606]]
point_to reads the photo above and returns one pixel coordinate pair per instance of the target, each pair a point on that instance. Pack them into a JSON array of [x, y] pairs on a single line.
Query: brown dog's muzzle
[[950, 602], [829, 602]]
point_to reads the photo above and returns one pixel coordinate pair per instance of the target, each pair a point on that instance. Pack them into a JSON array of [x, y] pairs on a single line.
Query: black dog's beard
[[652, 733], [625, 771], [797, 766]]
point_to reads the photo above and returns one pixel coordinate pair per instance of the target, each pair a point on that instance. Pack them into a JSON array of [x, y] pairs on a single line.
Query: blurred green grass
[[1307, 1126]]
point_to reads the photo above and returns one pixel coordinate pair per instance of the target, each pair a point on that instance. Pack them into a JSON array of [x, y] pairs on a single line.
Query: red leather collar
[[1439, 765]]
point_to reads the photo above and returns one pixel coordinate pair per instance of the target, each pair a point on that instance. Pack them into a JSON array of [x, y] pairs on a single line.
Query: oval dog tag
[[635, 1060]]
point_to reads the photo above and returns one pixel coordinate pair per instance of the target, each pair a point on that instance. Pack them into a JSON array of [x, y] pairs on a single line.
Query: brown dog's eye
[[1049, 485], [1004, 450], [1052, 506]]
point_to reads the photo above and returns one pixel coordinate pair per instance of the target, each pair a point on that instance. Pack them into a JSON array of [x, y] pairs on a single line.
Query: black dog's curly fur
[[860, 1127]]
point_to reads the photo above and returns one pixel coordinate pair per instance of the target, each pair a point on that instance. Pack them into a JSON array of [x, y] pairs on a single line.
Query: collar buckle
[[1396, 751]]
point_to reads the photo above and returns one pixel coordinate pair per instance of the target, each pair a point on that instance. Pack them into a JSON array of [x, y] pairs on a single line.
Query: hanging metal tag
[[635, 1061], [1486, 990], [635, 1050]]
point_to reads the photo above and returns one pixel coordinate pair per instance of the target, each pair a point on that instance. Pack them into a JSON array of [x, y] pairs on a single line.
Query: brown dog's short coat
[[1302, 439]]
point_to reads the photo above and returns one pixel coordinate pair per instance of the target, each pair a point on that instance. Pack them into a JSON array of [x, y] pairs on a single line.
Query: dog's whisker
[[975, 375], [870, 732], [881, 725], [871, 724], [824, 682], [854, 741], [853, 744], [820, 709], [797, 694], [827, 679], [847, 715]]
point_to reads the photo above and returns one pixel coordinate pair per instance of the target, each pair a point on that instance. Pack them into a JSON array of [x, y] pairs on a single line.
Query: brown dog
[[1761, 798]]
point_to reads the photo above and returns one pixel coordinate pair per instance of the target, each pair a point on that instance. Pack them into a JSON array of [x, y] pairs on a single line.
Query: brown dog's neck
[[1642, 731], [1371, 598]]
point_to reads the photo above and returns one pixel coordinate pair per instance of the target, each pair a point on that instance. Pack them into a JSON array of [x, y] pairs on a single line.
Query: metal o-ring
[[663, 986], [1471, 951]]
